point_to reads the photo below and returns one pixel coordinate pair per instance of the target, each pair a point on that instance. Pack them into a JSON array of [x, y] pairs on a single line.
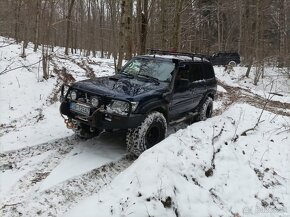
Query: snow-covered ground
[[226, 166], [276, 82], [210, 168]]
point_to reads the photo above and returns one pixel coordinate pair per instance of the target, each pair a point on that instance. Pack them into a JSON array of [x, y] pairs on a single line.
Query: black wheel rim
[[153, 135]]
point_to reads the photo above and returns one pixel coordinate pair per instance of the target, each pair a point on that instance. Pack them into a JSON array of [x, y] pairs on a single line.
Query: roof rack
[[175, 53]]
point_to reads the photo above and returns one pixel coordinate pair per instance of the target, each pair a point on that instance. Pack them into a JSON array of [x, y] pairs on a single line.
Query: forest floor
[[234, 164]]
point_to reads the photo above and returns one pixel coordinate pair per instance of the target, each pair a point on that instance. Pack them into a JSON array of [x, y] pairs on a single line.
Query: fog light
[[95, 102], [73, 95]]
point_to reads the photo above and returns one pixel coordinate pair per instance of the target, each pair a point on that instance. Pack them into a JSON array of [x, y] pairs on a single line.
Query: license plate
[[82, 109]]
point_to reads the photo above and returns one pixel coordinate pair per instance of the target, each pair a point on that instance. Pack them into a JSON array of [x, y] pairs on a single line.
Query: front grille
[[84, 97], [106, 100]]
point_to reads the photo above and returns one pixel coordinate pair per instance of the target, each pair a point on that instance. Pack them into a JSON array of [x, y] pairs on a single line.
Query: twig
[[7, 45], [24, 66], [7, 67], [12, 204], [277, 94], [214, 137], [17, 81], [244, 133]]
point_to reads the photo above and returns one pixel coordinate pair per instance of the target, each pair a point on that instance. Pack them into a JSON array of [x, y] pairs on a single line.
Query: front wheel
[[150, 132], [206, 108]]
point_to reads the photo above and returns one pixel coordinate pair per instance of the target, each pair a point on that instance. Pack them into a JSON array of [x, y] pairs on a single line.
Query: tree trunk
[[113, 16], [121, 36], [163, 25], [219, 25], [257, 44], [142, 14], [68, 26], [128, 28], [176, 30], [102, 27], [36, 26]]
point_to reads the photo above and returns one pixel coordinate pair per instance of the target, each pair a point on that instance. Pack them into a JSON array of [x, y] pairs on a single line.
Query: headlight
[[73, 95], [95, 101], [119, 107], [134, 105]]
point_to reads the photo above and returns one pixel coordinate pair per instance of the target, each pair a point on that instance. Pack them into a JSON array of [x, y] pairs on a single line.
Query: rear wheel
[[150, 132], [206, 109], [232, 63]]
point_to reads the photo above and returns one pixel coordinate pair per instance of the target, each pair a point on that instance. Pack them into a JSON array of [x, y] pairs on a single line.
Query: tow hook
[[69, 123]]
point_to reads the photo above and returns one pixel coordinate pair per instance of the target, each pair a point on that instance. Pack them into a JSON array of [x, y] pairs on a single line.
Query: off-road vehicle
[[144, 97], [225, 58]]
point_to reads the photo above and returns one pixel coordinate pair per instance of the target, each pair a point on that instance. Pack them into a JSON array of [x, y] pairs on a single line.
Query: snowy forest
[[83, 133], [258, 29]]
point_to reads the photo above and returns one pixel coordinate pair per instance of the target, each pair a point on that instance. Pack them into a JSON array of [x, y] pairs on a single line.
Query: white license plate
[[82, 109]]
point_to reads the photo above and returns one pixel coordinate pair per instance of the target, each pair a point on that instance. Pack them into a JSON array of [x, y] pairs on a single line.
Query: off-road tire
[[151, 131], [205, 110]]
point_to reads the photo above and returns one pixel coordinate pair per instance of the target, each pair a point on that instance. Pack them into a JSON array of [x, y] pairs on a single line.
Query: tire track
[[238, 94], [10, 159], [59, 199], [19, 160]]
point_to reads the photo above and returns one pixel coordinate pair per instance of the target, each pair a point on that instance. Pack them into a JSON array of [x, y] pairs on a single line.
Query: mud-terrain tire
[[205, 110], [84, 132], [151, 131]]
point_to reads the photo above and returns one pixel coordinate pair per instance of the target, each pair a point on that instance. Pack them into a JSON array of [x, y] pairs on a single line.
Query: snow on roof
[[178, 57]]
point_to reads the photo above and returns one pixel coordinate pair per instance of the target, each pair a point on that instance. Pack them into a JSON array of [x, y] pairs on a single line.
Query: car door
[[198, 86], [182, 100]]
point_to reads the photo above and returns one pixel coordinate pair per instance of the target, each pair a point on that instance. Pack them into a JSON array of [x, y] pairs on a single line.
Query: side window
[[195, 72], [183, 73], [208, 71]]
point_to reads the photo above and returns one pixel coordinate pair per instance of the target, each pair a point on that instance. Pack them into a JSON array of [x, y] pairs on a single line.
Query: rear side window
[[196, 72], [208, 72]]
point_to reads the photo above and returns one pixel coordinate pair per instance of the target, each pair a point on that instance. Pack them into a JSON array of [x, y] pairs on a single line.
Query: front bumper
[[101, 119]]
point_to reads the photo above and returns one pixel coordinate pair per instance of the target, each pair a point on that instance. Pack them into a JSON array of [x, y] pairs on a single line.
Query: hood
[[118, 86]]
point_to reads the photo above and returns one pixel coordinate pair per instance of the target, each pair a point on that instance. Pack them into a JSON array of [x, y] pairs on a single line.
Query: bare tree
[[121, 36], [68, 25]]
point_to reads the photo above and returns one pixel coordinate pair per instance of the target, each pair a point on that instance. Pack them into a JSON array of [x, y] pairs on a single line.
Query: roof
[[181, 56]]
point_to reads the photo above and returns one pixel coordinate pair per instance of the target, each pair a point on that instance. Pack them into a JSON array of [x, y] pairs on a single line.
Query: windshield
[[161, 70]]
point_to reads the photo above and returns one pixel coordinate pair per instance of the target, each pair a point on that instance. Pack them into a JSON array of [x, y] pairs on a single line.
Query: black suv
[[150, 92], [225, 58]]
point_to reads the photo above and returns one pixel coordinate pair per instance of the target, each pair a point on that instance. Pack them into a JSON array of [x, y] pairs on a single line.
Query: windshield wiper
[[149, 78], [127, 74]]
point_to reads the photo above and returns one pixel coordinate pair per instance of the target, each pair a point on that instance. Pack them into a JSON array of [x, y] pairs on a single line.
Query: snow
[[83, 158], [175, 166], [274, 81], [175, 57], [47, 171], [9, 177], [50, 128]]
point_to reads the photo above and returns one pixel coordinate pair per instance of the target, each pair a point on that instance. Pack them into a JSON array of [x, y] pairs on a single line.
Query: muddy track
[[12, 158], [65, 195], [238, 94]]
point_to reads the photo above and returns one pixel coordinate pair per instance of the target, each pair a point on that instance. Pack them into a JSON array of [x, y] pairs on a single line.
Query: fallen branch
[[7, 45], [19, 67], [214, 138], [244, 133], [18, 82], [6, 205]]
